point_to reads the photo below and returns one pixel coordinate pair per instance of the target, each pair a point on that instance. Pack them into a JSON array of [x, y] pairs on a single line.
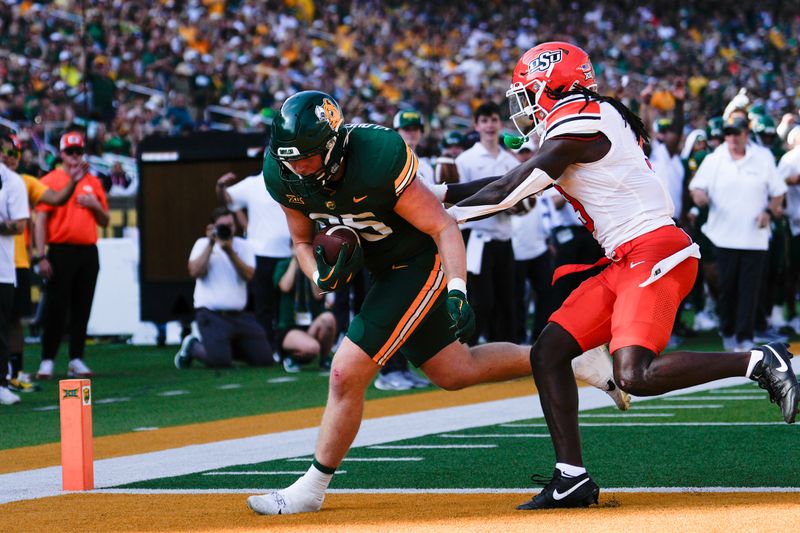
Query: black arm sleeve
[[458, 191]]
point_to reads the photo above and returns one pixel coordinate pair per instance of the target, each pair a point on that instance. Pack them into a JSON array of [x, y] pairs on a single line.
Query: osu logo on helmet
[[544, 61], [548, 67]]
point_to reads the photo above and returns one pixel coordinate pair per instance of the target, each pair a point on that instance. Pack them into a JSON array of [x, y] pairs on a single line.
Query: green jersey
[[379, 166]]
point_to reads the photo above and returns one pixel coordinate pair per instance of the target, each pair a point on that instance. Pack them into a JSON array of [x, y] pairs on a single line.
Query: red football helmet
[[551, 66]]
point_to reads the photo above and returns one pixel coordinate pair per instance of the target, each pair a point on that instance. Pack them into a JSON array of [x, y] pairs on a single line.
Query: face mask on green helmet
[[309, 124]]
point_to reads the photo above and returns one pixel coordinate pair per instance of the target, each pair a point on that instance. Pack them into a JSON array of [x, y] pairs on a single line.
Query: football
[[331, 240]]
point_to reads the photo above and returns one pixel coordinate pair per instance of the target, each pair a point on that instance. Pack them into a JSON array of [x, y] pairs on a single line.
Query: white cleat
[[279, 502], [594, 367], [620, 397]]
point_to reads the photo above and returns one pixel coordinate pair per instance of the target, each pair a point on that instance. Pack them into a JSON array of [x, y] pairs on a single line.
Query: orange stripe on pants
[[412, 318]]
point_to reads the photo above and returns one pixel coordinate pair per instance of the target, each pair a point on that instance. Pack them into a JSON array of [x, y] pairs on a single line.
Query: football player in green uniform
[[325, 172]]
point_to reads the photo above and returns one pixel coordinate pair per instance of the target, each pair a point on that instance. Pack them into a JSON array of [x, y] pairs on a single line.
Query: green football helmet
[[308, 123], [452, 138], [714, 128], [756, 111], [763, 125]]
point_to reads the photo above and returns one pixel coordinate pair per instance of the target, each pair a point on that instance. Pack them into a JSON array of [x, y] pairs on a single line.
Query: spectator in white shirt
[[268, 236], [789, 172], [740, 184], [533, 262], [490, 255], [14, 212], [222, 264]]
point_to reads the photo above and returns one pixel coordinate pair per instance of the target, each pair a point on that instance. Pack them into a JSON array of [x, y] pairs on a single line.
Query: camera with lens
[[223, 231]]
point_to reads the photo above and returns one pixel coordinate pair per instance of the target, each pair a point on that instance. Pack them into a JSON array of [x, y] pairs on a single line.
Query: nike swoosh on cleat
[[559, 496], [357, 200], [636, 264], [783, 366]]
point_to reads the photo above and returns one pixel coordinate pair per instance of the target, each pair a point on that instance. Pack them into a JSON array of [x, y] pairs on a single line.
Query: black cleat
[[561, 491], [774, 374]]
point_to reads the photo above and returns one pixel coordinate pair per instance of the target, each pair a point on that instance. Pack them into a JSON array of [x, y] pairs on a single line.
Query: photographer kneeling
[[222, 264]]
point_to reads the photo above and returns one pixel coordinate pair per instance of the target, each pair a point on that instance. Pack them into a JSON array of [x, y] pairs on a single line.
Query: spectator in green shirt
[[305, 329]]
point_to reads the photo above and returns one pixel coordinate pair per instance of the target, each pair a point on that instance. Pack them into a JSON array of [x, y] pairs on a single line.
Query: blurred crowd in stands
[[697, 73], [137, 68]]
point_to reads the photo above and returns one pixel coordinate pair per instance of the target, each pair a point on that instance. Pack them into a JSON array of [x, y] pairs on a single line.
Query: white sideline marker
[[281, 380], [487, 490], [679, 424], [659, 407], [112, 400], [645, 424], [370, 459], [496, 436], [47, 408], [628, 415], [431, 446], [264, 473], [168, 393], [230, 386], [714, 398]]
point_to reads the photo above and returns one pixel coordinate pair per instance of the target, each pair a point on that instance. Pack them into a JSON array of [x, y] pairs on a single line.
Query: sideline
[[46, 482], [44, 455]]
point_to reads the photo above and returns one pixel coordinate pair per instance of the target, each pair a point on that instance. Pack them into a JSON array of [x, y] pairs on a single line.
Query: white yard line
[[369, 459], [637, 407], [716, 398], [191, 459], [496, 436], [487, 490], [644, 424], [628, 415], [264, 473], [432, 446]]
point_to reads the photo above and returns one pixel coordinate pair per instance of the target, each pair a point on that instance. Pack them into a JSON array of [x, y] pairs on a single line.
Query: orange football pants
[[611, 307]]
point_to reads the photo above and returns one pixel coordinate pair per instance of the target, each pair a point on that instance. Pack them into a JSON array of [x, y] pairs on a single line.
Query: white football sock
[[570, 470], [755, 357], [308, 492]]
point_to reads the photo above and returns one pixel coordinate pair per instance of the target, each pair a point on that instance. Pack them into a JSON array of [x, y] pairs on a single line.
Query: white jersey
[[619, 197]]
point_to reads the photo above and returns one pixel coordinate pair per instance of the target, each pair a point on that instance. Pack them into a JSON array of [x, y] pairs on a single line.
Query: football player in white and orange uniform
[[591, 151]]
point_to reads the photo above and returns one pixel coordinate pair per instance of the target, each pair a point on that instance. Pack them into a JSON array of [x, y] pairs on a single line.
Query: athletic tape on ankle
[[322, 468]]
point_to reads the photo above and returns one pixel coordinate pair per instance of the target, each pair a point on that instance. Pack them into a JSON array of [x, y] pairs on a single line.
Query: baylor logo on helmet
[[329, 112], [288, 151], [544, 61]]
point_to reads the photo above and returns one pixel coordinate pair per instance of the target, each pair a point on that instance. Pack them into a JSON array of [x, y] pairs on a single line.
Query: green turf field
[[734, 439], [139, 387]]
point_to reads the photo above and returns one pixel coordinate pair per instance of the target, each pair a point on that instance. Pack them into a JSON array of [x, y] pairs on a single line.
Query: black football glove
[[462, 315], [332, 277]]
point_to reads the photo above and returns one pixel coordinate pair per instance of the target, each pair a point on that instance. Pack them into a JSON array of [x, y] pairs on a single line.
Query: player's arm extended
[[421, 209], [456, 192], [302, 230], [532, 176]]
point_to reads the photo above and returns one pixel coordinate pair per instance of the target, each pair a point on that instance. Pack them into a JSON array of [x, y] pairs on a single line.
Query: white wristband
[[457, 284], [315, 277], [439, 190]]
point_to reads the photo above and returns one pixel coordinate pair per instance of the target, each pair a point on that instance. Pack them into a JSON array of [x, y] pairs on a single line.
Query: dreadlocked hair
[[630, 118]]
